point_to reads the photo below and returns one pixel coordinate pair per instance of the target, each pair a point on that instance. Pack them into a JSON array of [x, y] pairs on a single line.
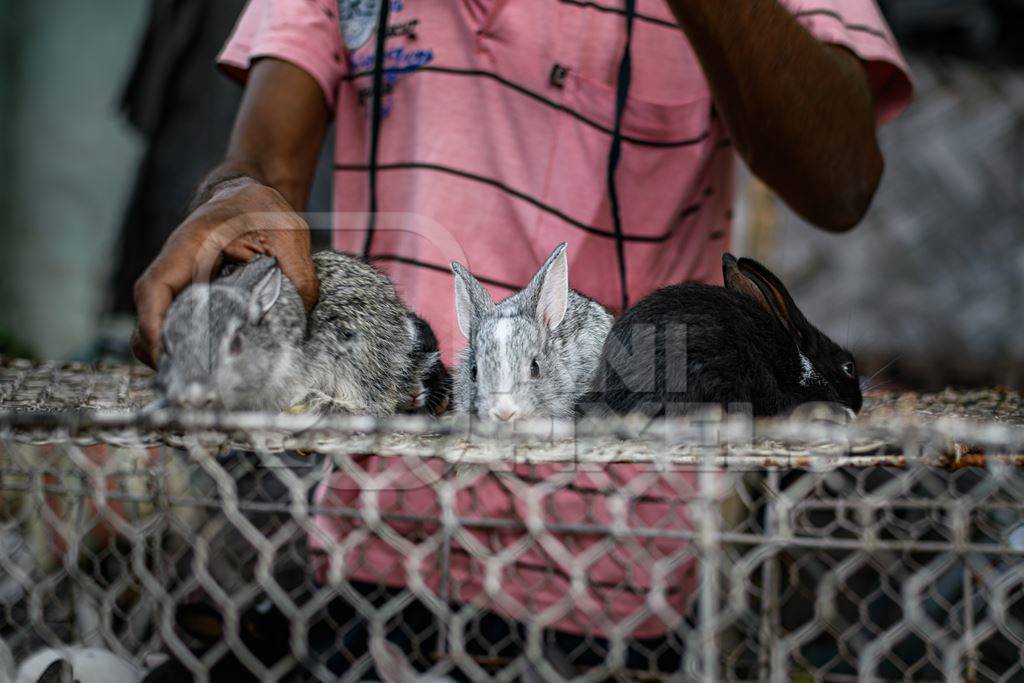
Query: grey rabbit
[[243, 342], [532, 355], [744, 343]]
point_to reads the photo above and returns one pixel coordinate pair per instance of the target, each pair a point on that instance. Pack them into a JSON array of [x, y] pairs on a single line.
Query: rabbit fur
[[692, 344], [532, 355], [244, 342]]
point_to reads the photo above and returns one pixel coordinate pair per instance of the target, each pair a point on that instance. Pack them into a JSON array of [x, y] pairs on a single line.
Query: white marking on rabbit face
[[506, 348], [502, 331], [807, 374], [503, 342]]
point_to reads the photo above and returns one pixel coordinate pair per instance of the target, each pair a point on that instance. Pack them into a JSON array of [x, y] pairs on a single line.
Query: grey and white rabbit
[[744, 343], [532, 355], [243, 342]]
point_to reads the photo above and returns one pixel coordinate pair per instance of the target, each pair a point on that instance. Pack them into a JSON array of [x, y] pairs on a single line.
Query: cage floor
[[107, 403]]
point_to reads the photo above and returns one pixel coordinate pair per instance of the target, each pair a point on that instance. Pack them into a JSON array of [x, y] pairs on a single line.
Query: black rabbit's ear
[[773, 295], [472, 301], [200, 621], [741, 282], [779, 295]]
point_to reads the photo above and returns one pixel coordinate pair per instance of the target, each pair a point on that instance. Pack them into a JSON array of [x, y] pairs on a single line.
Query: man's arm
[[800, 112], [248, 204]]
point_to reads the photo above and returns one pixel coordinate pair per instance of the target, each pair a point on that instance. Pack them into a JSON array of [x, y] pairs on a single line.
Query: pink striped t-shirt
[[495, 129], [489, 145]]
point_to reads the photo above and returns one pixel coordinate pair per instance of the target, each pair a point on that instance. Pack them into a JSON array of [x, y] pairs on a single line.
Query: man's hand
[[800, 112], [249, 204], [238, 223]]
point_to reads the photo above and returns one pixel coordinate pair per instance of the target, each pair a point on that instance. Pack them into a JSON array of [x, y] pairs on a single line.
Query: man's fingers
[[151, 303], [291, 246], [141, 349], [303, 275], [244, 249], [225, 228]]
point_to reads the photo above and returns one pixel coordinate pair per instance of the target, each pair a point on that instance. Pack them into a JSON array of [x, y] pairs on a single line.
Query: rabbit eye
[[235, 347], [849, 369], [472, 372], [534, 369]]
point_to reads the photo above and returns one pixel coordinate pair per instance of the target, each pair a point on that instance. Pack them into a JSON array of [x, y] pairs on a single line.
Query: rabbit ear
[[550, 288], [264, 295], [739, 281], [774, 296], [248, 275], [200, 621], [472, 301], [261, 279]]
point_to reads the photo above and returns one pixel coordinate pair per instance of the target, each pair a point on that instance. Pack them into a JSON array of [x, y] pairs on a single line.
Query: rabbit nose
[[198, 396], [505, 413]]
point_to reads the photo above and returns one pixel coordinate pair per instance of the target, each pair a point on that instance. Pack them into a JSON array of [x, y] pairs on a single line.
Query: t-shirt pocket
[[663, 149]]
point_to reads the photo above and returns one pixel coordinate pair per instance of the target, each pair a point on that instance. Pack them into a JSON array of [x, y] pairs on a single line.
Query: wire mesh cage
[[234, 546]]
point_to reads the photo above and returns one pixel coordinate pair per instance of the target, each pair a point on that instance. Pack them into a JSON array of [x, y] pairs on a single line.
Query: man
[[489, 131], [496, 133]]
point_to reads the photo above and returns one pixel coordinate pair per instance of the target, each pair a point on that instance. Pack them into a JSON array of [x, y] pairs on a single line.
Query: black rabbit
[[745, 343]]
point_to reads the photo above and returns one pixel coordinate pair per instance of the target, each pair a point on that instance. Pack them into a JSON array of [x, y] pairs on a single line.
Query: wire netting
[[708, 547]]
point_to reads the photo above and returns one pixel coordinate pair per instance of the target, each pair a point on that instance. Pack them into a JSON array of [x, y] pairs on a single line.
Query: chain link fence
[[258, 547]]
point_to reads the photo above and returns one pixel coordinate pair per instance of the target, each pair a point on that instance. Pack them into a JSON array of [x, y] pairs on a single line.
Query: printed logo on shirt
[[358, 20], [397, 61]]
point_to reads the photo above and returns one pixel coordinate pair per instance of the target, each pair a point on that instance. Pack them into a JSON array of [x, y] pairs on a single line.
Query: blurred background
[[111, 111]]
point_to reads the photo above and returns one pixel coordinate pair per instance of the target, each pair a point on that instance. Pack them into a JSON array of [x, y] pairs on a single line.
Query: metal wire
[[704, 548]]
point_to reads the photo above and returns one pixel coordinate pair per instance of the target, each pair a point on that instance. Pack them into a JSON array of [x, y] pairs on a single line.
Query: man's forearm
[[234, 172], [799, 112], [276, 139]]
